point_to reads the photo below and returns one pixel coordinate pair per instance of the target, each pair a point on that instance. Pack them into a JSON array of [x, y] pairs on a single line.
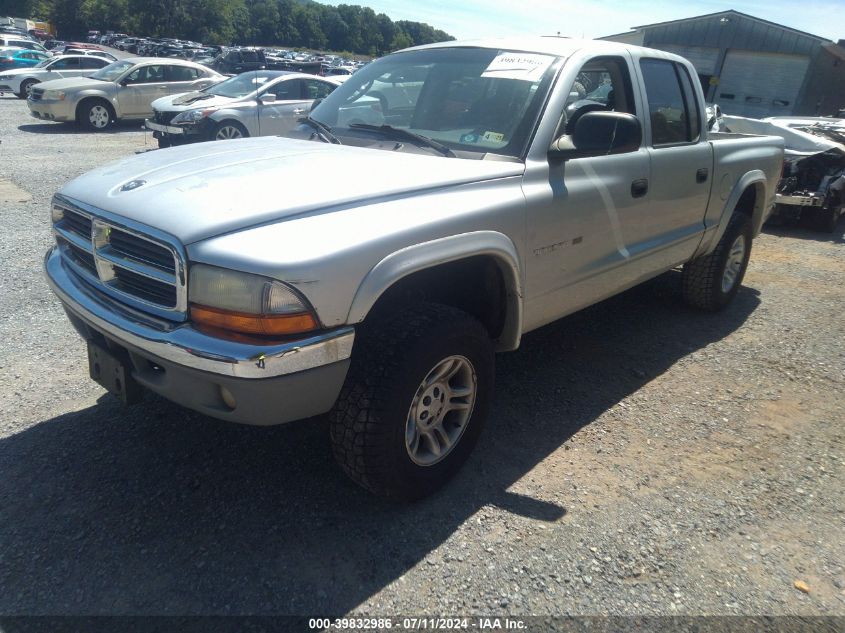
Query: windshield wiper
[[402, 133], [324, 132]]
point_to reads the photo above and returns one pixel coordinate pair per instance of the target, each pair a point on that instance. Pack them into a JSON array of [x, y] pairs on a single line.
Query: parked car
[[260, 103], [239, 60], [68, 50], [21, 42], [372, 271], [122, 90], [23, 58], [21, 81]]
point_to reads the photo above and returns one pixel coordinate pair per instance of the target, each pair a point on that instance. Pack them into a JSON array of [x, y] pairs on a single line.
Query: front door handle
[[639, 187], [701, 175], [299, 110]]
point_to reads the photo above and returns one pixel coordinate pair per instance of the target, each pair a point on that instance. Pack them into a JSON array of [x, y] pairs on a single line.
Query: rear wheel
[[26, 87], [229, 130], [827, 219], [711, 282], [414, 401]]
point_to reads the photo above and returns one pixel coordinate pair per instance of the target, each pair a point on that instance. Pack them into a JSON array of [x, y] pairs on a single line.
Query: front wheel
[[414, 401], [229, 130], [95, 115], [711, 282], [26, 88]]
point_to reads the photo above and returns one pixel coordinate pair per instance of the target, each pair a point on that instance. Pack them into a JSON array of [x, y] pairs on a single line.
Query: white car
[[21, 80], [256, 103]]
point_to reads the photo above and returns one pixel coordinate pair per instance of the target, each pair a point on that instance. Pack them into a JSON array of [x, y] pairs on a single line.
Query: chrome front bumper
[[182, 344]]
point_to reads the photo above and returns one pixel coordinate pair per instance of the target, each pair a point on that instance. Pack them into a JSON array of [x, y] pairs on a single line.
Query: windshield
[[112, 71], [240, 85], [44, 63], [468, 99]]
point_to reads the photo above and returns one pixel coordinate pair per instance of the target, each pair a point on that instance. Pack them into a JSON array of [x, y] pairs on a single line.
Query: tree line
[[288, 23]]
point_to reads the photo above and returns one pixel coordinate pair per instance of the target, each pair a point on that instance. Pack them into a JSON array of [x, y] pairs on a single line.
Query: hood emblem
[[133, 184]]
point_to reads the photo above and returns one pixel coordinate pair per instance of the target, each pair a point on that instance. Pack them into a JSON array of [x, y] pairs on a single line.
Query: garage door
[[704, 59], [760, 84]]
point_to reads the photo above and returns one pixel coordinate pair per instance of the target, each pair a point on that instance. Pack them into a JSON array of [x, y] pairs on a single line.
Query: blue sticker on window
[[469, 138]]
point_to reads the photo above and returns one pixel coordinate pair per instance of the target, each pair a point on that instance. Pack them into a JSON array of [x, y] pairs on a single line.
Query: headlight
[[191, 116], [54, 95], [5, 76], [250, 304]]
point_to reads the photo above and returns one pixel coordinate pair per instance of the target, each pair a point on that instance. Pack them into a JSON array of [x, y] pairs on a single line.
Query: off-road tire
[[393, 355], [25, 84], [83, 114], [827, 219], [701, 281]]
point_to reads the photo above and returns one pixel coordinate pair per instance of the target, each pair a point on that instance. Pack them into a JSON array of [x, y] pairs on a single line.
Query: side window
[[69, 63], [602, 85], [667, 108], [290, 90], [146, 75], [317, 89], [92, 62], [250, 56], [181, 73], [694, 115]]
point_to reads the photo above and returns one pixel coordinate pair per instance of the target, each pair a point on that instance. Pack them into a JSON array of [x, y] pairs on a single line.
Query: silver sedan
[[259, 103]]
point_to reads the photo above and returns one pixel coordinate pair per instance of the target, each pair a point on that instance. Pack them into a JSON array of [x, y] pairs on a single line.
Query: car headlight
[[54, 95], [5, 76], [246, 303], [191, 116]]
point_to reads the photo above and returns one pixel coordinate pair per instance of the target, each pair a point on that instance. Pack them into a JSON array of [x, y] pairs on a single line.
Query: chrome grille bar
[[129, 262]]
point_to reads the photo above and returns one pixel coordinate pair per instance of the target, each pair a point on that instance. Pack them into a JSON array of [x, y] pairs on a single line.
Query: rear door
[[681, 164]]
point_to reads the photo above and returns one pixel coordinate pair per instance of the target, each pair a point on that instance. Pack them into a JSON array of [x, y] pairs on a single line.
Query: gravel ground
[[641, 458]]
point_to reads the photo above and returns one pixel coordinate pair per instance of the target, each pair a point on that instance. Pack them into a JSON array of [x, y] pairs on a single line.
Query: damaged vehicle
[[812, 184]]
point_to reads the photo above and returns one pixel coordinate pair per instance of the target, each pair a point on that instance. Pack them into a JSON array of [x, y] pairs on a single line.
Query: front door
[[140, 88], [584, 212]]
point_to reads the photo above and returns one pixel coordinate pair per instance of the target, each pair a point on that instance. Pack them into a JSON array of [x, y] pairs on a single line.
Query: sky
[[470, 19]]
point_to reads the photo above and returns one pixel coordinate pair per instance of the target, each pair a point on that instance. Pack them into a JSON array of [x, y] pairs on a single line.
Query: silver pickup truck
[[441, 203]]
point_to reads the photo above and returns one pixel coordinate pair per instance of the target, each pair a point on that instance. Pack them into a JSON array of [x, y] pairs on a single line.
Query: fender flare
[[755, 178], [412, 259]]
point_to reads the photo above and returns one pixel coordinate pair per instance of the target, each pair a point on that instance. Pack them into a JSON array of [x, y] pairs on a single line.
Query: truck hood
[[198, 191]]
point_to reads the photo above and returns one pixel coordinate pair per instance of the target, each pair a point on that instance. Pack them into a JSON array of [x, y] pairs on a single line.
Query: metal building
[[752, 67]]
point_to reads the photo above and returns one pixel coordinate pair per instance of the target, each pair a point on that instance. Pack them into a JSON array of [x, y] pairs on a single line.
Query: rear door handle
[[639, 187], [701, 175]]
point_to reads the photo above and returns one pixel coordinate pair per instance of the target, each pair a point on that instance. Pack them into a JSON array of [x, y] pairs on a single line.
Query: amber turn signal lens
[[261, 324]]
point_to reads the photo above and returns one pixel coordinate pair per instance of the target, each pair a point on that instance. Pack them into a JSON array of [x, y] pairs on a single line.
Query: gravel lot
[[641, 458]]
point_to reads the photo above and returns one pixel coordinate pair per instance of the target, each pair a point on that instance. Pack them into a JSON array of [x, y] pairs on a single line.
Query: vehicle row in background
[[122, 90]]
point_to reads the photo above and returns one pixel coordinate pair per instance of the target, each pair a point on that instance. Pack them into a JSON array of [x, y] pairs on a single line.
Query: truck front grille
[[133, 266]]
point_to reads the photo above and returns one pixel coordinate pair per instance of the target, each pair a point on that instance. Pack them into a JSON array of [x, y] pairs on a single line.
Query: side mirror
[[599, 134], [267, 97]]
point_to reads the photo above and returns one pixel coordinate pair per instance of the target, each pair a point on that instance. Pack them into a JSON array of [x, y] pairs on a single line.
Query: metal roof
[[731, 12]]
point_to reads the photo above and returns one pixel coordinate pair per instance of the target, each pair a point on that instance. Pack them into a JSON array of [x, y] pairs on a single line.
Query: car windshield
[[44, 63], [112, 71], [472, 100], [240, 85]]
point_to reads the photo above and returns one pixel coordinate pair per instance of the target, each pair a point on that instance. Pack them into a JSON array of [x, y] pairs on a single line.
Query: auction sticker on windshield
[[522, 66]]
